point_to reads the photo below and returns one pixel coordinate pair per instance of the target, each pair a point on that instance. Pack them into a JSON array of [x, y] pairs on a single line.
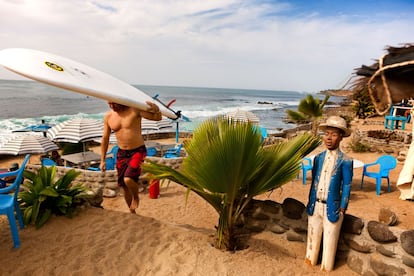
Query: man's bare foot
[[133, 206]]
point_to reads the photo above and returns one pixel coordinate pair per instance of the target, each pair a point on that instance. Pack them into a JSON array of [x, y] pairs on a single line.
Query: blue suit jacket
[[339, 187]]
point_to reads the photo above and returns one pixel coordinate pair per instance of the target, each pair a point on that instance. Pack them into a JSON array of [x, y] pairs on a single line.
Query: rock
[[284, 225], [270, 206], [379, 232], [111, 185], [355, 263], [384, 251], [369, 273], [373, 149], [300, 228], [258, 214], [352, 224], [408, 138], [407, 241], [293, 236], [263, 210], [293, 208], [276, 228], [381, 268], [255, 210], [255, 225], [97, 199], [387, 216], [408, 261], [109, 193], [403, 153], [401, 158], [363, 248], [388, 150]]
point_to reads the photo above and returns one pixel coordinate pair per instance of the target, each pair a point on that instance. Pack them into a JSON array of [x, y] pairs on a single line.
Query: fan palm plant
[[310, 109], [227, 166]]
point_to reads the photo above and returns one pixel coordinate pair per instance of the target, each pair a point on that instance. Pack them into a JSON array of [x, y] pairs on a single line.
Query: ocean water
[[25, 103]]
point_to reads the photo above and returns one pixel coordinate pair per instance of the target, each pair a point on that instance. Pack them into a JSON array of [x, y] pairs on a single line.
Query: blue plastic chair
[[386, 163], [173, 152], [264, 132], [151, 151], [391, 120], [48, 162], [306, 166], [110, 163], [114, 152], [8, 201]]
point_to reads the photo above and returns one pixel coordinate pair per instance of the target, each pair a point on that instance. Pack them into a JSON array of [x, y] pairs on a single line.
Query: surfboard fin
[[177, 113]]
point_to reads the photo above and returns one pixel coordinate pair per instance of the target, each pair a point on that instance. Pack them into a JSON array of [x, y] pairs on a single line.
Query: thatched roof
[[395, 55], [391, 72]]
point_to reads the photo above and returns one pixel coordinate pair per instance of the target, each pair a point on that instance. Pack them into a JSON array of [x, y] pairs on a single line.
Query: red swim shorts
[[128, 163]]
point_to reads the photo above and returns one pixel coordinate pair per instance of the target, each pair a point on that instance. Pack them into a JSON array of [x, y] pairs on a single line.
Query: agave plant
[[310, 109], [227, 166], [45, 195]]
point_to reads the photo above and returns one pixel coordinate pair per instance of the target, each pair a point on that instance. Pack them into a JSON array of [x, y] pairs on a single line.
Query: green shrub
[[348, 119], [357, 145], [45, 195], [363, 107]]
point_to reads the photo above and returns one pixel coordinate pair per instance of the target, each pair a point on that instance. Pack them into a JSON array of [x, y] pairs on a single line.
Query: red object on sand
[[154, 189]]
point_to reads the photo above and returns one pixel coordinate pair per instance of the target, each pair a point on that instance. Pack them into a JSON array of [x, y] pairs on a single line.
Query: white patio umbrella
[[242, 116], [149, 126], [155, 125], [76, 130], [28, 143], [112, 139], [248, 117]]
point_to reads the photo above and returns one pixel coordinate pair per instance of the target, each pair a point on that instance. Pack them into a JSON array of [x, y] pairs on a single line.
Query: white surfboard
[[74, 76]]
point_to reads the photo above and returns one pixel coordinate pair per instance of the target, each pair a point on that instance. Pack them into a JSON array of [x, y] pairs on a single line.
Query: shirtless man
[[126, 123]]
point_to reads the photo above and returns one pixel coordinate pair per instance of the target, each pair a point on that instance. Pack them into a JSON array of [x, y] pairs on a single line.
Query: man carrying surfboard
[[125, 121]]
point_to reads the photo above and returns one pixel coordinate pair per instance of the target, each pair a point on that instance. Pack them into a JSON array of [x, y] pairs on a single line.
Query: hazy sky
[[306, 45]]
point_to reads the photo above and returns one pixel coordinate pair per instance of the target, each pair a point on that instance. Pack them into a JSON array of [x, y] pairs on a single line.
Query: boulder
[[379, 232], [387, 216], [352, 224], [293, 208], [407, 241]]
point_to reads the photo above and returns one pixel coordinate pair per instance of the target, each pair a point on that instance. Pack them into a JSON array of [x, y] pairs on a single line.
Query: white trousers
[[405, 179], [319, 224]]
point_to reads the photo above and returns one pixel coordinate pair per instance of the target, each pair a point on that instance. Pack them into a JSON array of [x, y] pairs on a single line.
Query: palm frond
[[297, 116], [227, 166]]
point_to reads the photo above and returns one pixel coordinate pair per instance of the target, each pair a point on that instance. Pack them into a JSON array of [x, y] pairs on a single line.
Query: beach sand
[[172, 236]]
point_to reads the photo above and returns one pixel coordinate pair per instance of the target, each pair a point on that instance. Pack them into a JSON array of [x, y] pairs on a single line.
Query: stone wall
[[385, 138], [96, 181], [368, 248], [105, 184]]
